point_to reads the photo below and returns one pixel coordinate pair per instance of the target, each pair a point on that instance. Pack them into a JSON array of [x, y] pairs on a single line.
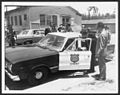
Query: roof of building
[[17, 9], [61, 8], [95, 21]]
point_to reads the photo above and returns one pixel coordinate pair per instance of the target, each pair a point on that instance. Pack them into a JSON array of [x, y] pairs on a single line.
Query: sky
[[103, 7]]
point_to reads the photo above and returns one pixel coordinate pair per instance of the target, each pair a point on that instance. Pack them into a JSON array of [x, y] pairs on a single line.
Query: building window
[[54, 20], [25, 16], [16, 20], [42, 19], [20, 20], [11, 20], [65, 20], [48, 20]]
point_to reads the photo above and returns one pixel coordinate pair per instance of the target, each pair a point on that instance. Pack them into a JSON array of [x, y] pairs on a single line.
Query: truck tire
[[37, 76]]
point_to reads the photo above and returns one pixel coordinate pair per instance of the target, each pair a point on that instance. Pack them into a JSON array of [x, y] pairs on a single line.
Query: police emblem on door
[[74, 58]]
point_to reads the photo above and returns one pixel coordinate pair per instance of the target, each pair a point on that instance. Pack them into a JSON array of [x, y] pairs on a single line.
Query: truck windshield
[[52, 41]]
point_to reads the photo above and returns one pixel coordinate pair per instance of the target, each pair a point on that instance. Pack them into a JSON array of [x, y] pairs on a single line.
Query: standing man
[[68, 28], [53, 28], [47, 30], [61, 28], [12, 36], [101, 47]]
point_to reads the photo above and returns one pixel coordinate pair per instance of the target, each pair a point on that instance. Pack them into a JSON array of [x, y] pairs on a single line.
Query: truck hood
[[19, 54]]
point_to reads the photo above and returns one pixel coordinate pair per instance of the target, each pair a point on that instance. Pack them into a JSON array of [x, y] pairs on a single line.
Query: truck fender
[[40, 65]]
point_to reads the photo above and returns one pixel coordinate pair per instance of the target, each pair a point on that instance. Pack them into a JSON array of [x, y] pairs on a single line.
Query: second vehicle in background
[[29, 36]]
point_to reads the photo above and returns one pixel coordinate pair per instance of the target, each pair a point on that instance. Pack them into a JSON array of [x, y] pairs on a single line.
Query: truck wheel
[[37, 76]]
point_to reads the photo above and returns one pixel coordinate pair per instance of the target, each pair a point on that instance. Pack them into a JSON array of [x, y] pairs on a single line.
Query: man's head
[[100, 26]]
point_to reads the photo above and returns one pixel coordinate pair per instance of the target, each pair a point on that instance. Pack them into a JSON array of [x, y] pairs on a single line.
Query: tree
[[95, 10]]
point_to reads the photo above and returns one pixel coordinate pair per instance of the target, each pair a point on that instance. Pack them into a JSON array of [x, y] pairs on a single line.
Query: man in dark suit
[[101, 49]]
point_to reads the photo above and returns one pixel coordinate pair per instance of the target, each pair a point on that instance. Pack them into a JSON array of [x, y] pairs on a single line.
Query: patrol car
[[55, 52], [29, 36]]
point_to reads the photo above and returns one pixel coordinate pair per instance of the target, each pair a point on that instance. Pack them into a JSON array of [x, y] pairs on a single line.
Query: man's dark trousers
[[102, 66]]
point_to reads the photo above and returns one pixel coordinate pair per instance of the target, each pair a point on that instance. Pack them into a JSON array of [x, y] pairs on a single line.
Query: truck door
[[37, 35], [77, 56]]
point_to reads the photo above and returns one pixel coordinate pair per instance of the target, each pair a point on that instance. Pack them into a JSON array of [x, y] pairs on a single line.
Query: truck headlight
[[8, 66]]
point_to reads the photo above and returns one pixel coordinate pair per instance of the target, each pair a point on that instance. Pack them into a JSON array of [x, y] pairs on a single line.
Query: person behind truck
[[101, 46], [47, 30], [53, 27], [61, 28], [12, 36], [68, 28], [84, 31]]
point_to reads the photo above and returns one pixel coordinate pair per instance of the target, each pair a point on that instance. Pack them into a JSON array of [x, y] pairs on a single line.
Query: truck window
[[73, 46], [85, 44], [80, 45], [36, 32], [69, 41]]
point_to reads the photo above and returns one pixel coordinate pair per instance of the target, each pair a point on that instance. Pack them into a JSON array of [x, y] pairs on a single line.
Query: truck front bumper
[[13, 77]]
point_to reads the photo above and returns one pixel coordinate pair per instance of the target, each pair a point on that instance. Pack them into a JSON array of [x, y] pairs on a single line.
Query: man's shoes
[[89, 71], [97, 75]]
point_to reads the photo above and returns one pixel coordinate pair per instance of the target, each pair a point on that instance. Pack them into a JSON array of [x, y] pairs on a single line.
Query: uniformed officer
[[101, 49]]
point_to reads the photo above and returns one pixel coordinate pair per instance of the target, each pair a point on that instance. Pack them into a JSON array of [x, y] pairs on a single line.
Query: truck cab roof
[[67, 34]]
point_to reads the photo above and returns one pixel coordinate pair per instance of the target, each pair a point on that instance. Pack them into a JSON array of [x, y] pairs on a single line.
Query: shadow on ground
[[21, 85]]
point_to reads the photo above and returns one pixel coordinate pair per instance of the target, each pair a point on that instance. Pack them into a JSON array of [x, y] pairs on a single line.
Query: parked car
[[29, 36], [55, 52]]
